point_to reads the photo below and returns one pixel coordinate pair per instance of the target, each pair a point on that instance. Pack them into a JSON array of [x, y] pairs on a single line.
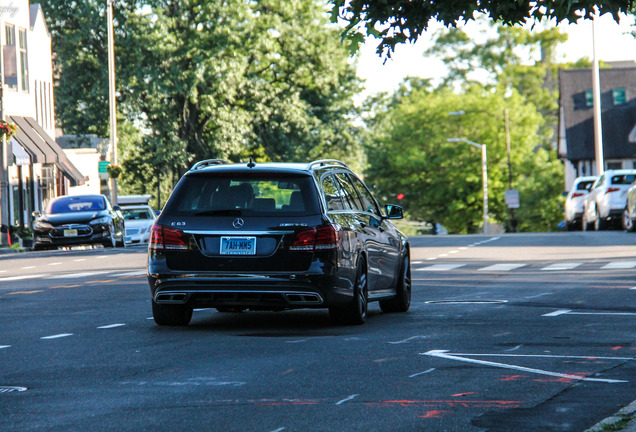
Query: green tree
[[408, 153], [399, 21]]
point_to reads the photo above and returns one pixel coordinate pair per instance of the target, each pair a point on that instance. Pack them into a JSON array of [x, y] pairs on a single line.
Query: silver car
[[574, 201], [607, 199]]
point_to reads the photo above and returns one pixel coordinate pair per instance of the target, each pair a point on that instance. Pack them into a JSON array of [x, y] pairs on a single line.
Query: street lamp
[[111, 98], [484, 174]]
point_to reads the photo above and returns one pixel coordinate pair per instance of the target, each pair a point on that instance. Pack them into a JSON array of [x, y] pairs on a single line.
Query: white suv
[[574, 201], [607, 198]]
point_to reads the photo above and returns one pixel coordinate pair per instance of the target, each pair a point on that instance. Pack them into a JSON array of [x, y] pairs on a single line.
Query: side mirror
[[394, 211], [116, 208], [564, 193], [36, 214]]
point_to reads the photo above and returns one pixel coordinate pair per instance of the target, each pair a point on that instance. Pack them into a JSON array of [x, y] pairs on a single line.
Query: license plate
[[238, 245], [70, 233]]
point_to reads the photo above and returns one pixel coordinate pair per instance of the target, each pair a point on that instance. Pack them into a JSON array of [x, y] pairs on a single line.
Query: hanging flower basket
[[7, 130], [113, 170]]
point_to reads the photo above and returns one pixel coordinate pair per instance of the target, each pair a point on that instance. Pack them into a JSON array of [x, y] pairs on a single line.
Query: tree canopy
[[398, 21]]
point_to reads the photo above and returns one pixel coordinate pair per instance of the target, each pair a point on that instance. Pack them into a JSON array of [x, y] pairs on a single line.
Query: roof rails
[[207, 163], [325, 162]]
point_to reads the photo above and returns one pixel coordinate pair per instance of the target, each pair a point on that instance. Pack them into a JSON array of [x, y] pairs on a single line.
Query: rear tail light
[[612, 190], [577, 194], [164, 238], [325, 237]]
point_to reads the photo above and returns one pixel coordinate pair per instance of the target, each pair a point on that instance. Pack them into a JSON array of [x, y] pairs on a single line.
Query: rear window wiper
[[226, 212]]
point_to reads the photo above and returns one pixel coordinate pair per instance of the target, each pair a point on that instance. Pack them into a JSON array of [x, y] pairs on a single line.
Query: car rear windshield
[[584, 185], [623, 179], [226, 194], [76, 204]]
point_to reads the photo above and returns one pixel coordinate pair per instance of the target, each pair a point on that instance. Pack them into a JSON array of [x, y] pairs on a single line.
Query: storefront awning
[[30, 131], [22, 157], [28, 141]]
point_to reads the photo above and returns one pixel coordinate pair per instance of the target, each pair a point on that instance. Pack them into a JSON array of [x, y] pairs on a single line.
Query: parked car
[[607, 199], [574, 201], [276, 236], [76, 220], [629, 214], [138, 220]]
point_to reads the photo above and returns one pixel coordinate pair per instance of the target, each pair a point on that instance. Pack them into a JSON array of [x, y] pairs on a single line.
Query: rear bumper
[[257, 292]]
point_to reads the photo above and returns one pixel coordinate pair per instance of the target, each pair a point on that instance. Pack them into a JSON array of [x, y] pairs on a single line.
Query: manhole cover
[[9, 389], [466, 301]]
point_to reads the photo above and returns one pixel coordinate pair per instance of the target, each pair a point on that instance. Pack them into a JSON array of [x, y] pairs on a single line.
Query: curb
[[623, 420]]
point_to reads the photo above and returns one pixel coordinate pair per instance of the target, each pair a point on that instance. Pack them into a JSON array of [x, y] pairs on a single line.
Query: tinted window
[[332, 193], [368, 202], [623, 179], [136, 214], [247, 195], [76, 204], [349, 194], [584, 185]]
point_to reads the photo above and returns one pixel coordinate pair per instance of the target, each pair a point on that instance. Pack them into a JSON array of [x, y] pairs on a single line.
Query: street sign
[[512, 198], [102, 166]]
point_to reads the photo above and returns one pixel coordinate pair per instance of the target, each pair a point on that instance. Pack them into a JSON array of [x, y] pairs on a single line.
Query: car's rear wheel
[[355, 313], [402, 300], [171, 315], [627, 222]]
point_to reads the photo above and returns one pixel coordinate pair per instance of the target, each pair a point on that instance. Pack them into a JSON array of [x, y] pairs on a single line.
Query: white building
[[36, 167]]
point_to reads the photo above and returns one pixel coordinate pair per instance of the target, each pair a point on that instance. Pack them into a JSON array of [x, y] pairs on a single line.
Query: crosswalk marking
[[562, 266], [501, 267], [620, 265], [15, 278], [441, 267]]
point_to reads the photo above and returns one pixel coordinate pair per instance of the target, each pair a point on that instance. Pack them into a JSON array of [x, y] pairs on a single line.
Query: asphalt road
[[505, 333]]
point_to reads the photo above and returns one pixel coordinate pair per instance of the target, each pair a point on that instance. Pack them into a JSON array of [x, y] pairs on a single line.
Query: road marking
[[501, 267], [352, 397], [422, 373], [55, 263], [453, 252], [440, 267], [279, 430], [4, 346], [539, 295], [442, 354], [545, 356], [103, 256], [407, 340], [25, 292], [514, 349], [14, 278], [57, 336], [79, 259], [110, 326], [77, 275], [133, 273], [28, 267], [571, 312], [620, 265], [562, 266]]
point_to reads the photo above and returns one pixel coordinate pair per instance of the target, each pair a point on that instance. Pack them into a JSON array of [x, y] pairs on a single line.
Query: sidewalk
[[623, 421]]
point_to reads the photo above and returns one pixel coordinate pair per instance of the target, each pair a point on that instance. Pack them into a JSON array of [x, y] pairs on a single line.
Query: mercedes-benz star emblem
[[238, 223]]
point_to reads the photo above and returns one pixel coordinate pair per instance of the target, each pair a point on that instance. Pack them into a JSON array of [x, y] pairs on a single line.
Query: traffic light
[[400, 196]]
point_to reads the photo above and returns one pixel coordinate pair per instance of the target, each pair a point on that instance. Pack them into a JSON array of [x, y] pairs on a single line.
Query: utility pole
[[112, 99]]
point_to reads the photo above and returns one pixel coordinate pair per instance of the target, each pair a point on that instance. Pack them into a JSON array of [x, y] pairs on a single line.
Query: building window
[[24, 62], [10, 58], [619, 96], [589, 98], [614, 165]]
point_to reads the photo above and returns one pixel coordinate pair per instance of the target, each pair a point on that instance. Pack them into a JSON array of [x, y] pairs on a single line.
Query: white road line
[[501, 267], [133, 273], [79, 259], [514, 349], [110, 326], [545, 356], [4, 346], [102, 256], [3, 271], [561, 266], [352, 397], [422, 373], [14, 278], [453, 252], [407, 340], [539, 295], [57, 336], [77, 275], [440, 267], [557, 313], [55, 263], [28, 267], [279, 430], [620, 265], [442, 354]]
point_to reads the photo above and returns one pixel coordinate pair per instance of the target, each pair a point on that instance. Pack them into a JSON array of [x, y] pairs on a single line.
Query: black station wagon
[[276, 236]]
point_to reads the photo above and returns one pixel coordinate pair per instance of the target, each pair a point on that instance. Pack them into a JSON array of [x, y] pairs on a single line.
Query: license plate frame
[[238, 245], [70, 233]]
